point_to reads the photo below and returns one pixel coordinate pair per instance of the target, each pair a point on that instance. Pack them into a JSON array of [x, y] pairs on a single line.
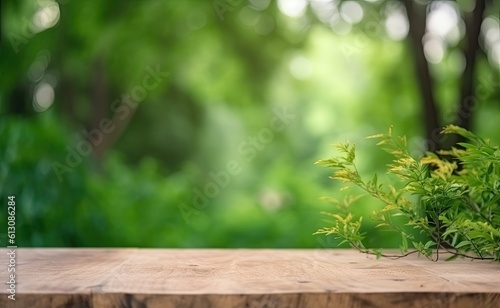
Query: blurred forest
[[197, 123]]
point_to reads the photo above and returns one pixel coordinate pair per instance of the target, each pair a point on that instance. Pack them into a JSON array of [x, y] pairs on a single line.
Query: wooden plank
[[244, 278]]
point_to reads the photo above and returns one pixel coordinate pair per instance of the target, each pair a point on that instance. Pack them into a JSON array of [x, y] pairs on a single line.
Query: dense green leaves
[[457, 210], [225, 76]]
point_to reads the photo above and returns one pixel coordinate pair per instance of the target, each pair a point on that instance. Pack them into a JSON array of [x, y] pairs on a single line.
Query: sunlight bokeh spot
[[442, 19], [265, 25], [339, 25], [300, 67], [490, 30], [494, 55], [396, 25], [292, 8], [46, 16], [38, 67], [271, 200], [44, 97], [351, 12], [324, 9], [248, 16], [259, 5], [434, 49]]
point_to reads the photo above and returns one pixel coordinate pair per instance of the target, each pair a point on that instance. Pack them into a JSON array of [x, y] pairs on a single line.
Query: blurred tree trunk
[[417, 21], [467, 104]]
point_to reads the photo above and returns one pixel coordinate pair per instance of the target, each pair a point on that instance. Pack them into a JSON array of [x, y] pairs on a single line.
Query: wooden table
[[254, 278]]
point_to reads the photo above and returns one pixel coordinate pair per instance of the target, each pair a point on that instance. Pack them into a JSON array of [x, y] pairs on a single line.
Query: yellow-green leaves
[[458, 209]]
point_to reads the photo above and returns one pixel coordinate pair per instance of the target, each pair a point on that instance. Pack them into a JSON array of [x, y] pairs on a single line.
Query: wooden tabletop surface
[[77, 277]]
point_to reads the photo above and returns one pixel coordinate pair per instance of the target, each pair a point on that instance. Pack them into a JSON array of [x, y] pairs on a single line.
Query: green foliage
[[215, 99], [456, 209], [119, 205], [45, 209]]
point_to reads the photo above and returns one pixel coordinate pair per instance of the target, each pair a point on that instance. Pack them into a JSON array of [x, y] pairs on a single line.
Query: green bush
[[456, 209], [45, 206]]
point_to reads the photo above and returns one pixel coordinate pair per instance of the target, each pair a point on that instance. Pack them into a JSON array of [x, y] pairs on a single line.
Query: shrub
[[456, 209]]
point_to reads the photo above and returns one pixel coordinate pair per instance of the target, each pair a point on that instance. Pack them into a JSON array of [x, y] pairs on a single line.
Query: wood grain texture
[[255, 278]]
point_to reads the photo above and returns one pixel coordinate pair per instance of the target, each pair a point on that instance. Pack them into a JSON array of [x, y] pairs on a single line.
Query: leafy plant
[[454, 203]]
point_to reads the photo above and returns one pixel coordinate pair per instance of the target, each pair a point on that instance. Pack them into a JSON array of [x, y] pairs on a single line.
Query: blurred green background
[[197, 123]]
